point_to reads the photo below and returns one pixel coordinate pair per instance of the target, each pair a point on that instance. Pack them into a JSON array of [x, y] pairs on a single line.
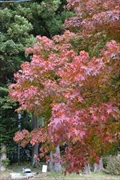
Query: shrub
[[5, 162], [105, 161], [113, 165]]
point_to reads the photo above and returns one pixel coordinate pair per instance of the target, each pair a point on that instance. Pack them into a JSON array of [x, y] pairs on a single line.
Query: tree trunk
[[98, 166], [57, 165], [87, 168], [35, 162], [3, 157], [51, 163], [54, 164]]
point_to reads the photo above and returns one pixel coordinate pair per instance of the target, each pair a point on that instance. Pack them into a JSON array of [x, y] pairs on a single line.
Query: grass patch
[[17, 167], [92, 176]]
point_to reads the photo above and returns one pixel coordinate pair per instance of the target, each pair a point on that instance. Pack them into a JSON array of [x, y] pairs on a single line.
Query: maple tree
[[75, 77]]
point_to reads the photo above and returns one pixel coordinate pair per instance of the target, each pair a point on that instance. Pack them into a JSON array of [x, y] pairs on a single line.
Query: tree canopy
[[76, 77]]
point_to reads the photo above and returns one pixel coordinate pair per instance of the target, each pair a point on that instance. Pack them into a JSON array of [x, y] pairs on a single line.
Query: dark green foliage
[[14, 37], [20, 22], [8, 126], [46, 16]]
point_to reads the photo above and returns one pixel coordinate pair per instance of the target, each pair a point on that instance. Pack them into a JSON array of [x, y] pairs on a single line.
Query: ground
[[55, 176], [6, 176]]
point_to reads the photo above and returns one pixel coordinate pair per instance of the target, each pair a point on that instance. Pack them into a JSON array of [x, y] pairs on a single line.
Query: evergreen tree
[[14, 37], [19, 24]]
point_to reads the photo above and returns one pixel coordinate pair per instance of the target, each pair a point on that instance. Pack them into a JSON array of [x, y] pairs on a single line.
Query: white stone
[[44, 168], [19, 176]]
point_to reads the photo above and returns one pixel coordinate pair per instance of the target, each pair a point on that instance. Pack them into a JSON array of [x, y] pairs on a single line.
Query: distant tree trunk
[[55, 165], [98, 166], [3, 157], [35, 148], [35, 162], [87, 168]]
